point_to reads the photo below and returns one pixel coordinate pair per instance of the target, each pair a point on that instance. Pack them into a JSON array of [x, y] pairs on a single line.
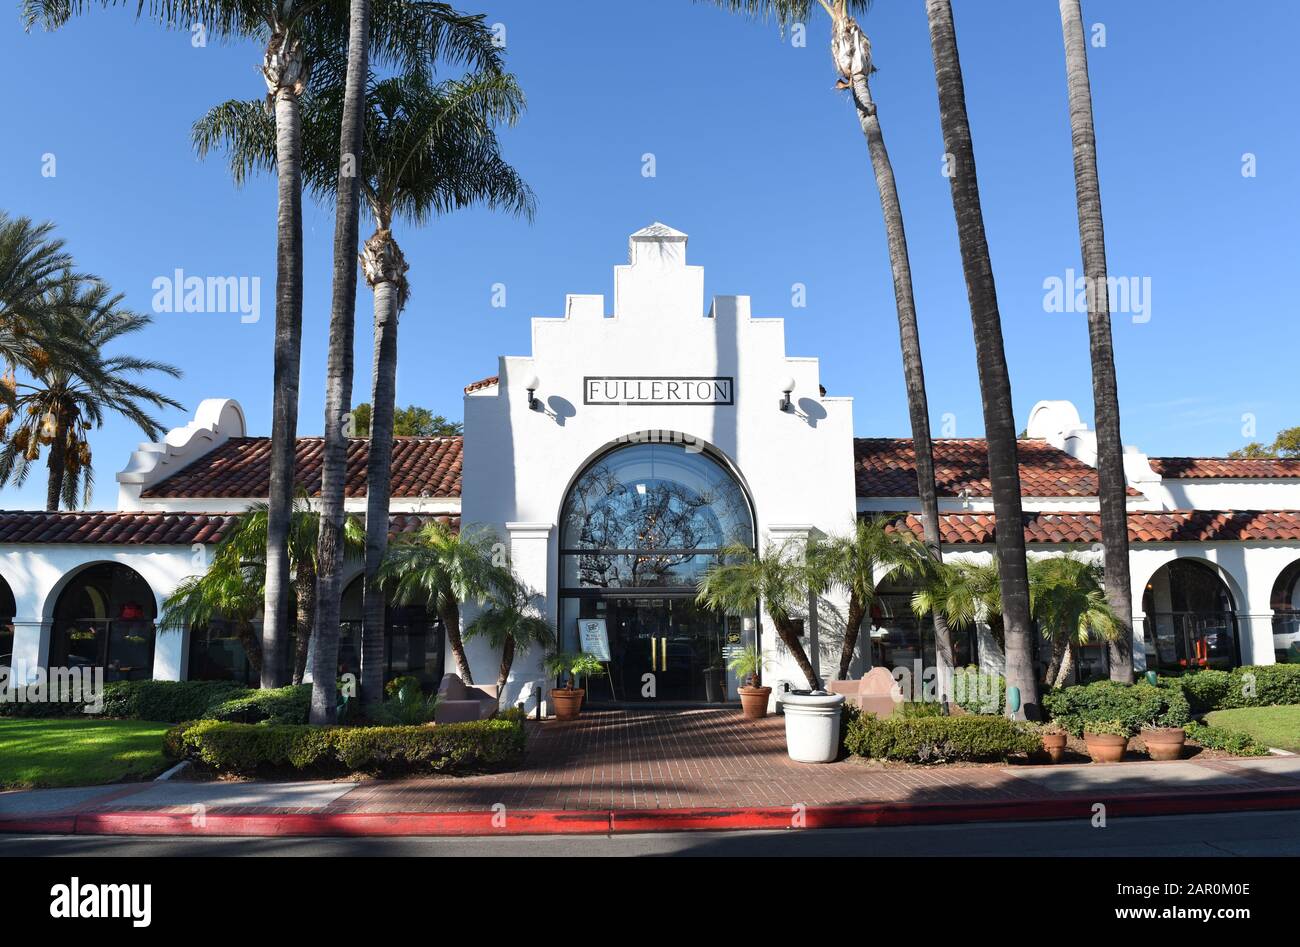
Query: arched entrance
[[639, 527], [413, 640], [899, 638], [1286, 615], [104, 617], [8, 608], [1190, 618]]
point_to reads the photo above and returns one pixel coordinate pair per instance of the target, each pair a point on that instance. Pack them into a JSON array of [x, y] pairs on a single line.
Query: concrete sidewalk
[[627, 771]]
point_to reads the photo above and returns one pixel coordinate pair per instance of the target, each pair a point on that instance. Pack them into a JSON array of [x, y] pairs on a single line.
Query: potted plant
[[1107, 740], [1054, 737], [748, 665], [1162, 742], [571, 669]]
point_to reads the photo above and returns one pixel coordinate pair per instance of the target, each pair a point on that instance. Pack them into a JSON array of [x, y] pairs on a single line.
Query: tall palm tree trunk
[[1112, 483], [507, 661], [849, 37], [785, 630], [338, 373], [995, 382], [285, 74], [385, 271], [449, 614], [58, 464]]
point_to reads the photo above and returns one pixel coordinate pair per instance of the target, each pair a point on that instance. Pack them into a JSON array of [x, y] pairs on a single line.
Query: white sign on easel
[[594, 637]]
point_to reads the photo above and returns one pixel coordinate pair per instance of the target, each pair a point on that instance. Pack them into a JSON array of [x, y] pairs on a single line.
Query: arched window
[[1190, 618], [1286, 615], [413, 639], [104, 617], [7, 610], [639, 527]]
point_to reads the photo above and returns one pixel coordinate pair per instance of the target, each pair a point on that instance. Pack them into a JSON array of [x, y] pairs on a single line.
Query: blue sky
[[762, 163]]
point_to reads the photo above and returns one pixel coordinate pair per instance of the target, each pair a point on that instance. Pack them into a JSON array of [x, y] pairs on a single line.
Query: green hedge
[[290, 704], [938, 739], [166, 701], [246, 749], [1131, 704], [1254, 685], [1221, 738]]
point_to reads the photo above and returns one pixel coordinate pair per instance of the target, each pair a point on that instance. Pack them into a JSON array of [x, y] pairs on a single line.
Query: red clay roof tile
[[422, 466], [1246, 468], [1172, 526]]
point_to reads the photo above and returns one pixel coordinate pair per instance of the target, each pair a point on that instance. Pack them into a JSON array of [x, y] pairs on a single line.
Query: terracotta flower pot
[[1165, 743], [1054, 746], [753, 701], [1105, 747], [567, 703]]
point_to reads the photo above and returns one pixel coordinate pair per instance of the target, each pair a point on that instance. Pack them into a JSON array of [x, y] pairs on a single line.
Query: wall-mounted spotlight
[[532, 384], [786, 390]]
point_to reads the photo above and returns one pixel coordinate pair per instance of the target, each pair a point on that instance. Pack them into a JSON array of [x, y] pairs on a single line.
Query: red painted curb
[[603, 821]]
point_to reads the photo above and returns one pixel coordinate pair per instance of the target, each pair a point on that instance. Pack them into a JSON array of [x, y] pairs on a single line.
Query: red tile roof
[[886, 467], [152, 529], [1173, 526], [1246, 468], [422, 466], [483, 383]]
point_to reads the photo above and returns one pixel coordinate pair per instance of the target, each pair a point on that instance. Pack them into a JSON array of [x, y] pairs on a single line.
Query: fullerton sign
[[659, 390]]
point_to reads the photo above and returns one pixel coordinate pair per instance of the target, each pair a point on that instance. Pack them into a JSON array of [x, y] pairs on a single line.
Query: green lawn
[[1271, 726], [78, 752]]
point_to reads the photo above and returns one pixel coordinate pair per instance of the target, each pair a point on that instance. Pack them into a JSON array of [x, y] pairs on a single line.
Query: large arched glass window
[[650, 515]]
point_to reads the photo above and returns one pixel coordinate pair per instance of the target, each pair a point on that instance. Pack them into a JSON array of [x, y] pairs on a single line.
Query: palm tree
[[302, 43], [859, 561], [995, 383], [338, 369], [68, 397], [1070, 606], [33, 264], [229, 591], [851, 55], [442, 568], [1112, 483], [780, 579], [962, 592], [511, 623], [246, 544]]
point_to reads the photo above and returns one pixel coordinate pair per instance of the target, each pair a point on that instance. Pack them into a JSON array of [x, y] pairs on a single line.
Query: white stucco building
[[635, 438]]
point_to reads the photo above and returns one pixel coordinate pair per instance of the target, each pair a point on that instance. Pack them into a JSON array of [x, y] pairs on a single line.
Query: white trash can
[[812, 726]]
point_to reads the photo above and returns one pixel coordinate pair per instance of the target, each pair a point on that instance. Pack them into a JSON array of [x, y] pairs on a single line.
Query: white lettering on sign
[[659, 390]]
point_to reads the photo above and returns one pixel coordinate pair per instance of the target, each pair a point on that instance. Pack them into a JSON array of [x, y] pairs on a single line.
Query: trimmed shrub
[[246, 749], [970, 738], [1221, 738], [166, 701], [1253, 685], [1132, 705], [979, 693], [291, 704]]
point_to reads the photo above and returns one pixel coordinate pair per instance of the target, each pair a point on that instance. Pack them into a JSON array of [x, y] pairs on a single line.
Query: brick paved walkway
[[611, 760]]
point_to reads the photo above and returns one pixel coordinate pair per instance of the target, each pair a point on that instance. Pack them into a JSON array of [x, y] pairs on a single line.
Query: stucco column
[[31, 649], [530, 546], [171, 651]]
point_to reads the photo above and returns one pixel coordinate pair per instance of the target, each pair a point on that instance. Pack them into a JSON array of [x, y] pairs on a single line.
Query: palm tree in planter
[[68, 396], [860, 561], [443, 568], [1068, 598], [304, 48], [780, 579], [511, 624], [748, 666], [1112, 482], [571, 670], [995, 381]]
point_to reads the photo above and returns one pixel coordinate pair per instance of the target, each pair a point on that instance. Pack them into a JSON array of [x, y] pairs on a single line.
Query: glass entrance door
[[663, 649]]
